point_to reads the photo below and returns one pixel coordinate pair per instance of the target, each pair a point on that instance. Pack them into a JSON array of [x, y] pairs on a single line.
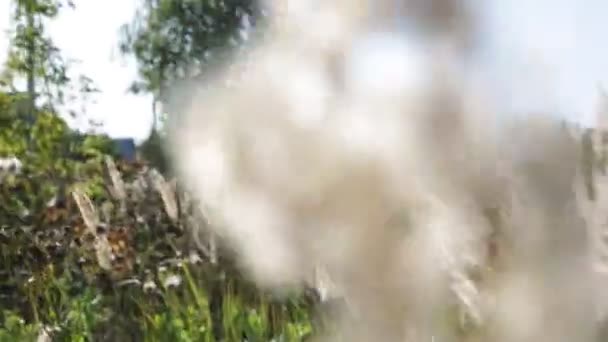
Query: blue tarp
[[125, 147]]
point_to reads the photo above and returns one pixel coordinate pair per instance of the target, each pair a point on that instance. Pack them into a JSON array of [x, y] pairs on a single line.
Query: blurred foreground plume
[[351, 149]]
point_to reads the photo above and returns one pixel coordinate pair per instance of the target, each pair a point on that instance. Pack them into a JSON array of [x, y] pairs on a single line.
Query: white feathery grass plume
[[381, 166], [118, 186], [9, 166]]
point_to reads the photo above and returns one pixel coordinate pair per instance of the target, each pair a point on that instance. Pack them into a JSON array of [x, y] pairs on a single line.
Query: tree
[[34, 57], [32, 53], [34, 131], [176, 40]]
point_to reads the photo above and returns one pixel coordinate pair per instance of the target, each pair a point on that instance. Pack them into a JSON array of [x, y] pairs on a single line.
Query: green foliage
[[54, 278], [179, 39], [31, 47], [32, 54], [153, 151], [14, 328], [52, 154], [147, 288]]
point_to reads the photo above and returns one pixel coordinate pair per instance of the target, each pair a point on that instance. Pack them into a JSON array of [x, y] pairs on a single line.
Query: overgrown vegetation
[[94, 248], [124, 266], [97, 249]]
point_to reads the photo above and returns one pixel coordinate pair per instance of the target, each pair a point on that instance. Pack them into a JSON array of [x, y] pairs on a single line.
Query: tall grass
[[120, 264]]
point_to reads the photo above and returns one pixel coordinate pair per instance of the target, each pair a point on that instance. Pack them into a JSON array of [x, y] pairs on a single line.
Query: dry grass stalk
[[118, 187], [89, 215], [167, 192]]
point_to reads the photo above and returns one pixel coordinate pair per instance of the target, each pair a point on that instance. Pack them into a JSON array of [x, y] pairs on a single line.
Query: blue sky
[[538, 55], [547, 55]]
